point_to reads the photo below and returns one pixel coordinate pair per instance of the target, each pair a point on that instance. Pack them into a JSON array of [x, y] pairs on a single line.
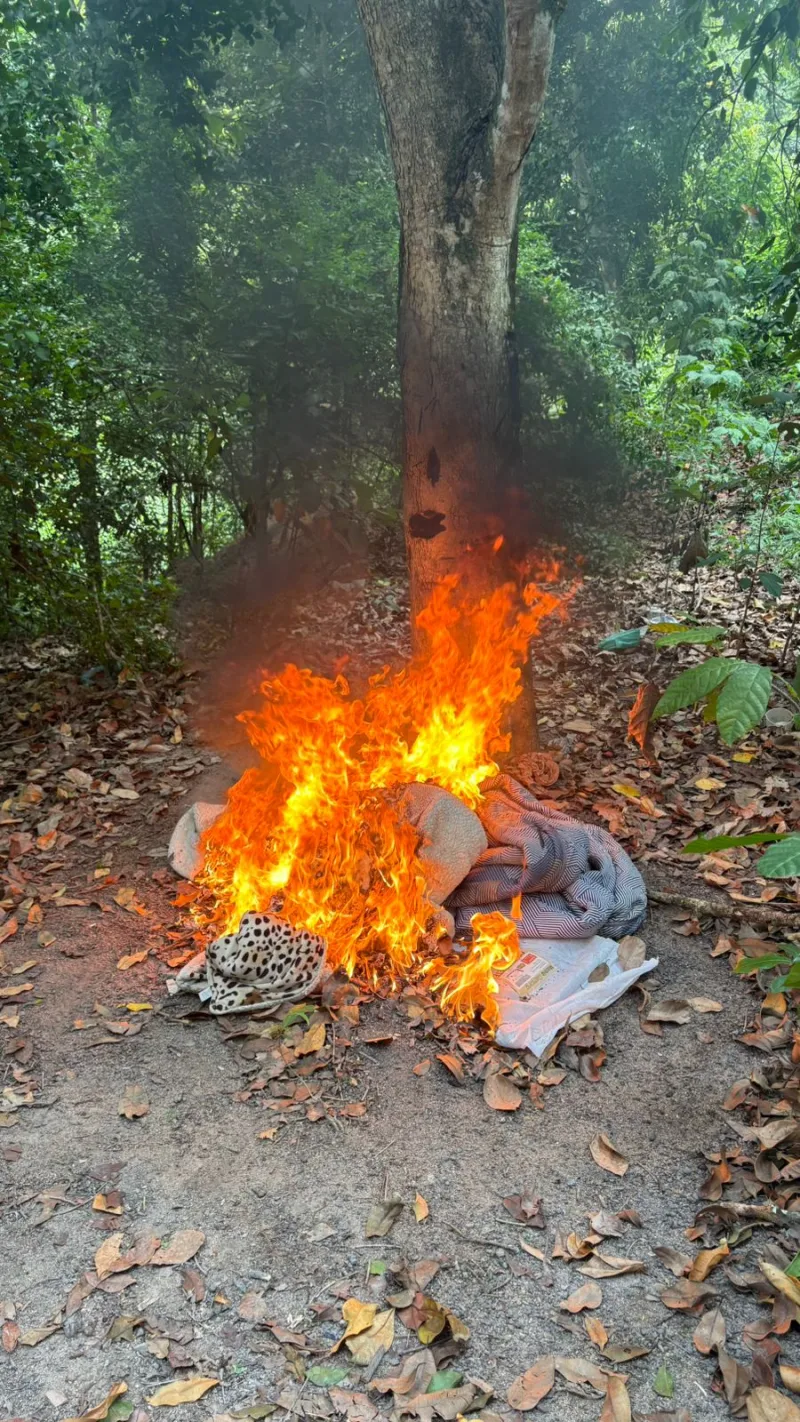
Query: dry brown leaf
[[766, 1405], [671, 1009], [607, 1156], [102, 1204], [580, 1370], [631, 952], [596, 1332], [784, 1283], [190, 1390], [377, 1338], [500, 1093], [355, 1406], [453, 1064], [640, 727], [10, 1335], [34, 1336], [107, 1256], [253, 1307], [182, 1247], [686, 1294], [527, 1391], [382, 1217], [790, 1376], [618, 1404], [588, 1296], [704, 1004], [129, 960], [311, 1041], [710, 1332], [98, 1413], [677, 1263], [610, 1266], [134, 1103], [420, 1208], [707, 1260], [358, 1317]]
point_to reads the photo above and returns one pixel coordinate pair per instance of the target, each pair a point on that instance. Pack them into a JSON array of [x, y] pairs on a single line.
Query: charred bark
[[462, 84]]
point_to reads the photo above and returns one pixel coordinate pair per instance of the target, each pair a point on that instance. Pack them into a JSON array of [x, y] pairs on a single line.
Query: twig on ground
[[714, 908], [487, 1243]]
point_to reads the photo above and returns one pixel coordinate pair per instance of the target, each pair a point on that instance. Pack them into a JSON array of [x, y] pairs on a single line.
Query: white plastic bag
[[549, 986]]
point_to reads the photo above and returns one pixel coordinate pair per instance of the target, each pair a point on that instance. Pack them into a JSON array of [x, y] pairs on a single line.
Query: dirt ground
[[283, 1218], [196, 1161]]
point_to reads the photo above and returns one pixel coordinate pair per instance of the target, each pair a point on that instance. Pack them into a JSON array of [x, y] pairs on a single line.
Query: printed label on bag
[[528, 974]]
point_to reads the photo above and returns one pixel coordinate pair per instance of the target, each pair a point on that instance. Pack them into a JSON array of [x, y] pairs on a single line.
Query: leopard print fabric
[[266, 964]]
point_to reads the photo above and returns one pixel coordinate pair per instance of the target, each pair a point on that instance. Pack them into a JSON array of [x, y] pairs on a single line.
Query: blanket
[[575, 880]]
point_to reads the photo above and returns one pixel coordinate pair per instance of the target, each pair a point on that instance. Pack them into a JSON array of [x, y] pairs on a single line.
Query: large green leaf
[[781, 861], [692, 685], [746, 966], [693, 636], [730, 841], [743, 700]]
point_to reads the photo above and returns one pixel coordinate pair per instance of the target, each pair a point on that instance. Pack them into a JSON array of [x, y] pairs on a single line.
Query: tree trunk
[[462, 84], [89, 501]]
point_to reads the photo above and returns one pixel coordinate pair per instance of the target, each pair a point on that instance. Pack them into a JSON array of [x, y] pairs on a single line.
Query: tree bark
[[462, 84]]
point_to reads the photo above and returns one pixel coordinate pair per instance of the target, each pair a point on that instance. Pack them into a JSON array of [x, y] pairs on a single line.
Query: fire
[[313, 830]]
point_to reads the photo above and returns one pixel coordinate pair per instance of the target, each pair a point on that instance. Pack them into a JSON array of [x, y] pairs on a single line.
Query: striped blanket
[[574, 879]]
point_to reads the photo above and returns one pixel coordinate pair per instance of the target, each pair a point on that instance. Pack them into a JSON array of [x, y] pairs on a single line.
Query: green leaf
[[377, 1266], [793, 1269], [120, 1410], [743, 700], [781, 861], [691, 636], [772, 583], [448, 1377], [622, 641], [792, 980], [692, 685], [730, 841], [326, 1374], [745, 966], [300, 1013], [664, 1383]]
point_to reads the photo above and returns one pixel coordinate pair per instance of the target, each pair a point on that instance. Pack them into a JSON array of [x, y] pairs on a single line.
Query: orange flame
[[470, 986], [315, 828]]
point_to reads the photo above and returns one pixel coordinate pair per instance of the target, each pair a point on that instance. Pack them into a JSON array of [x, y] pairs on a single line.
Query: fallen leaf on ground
[[382, 1217], [596, 1331], [420, 1207], [454, 1066], [104, 1205], [790, 1288], [618, 1404], [134, 1103], [378, 1337], [631, 952], [686, 1294], [107, 1256], [355, 1406], [526, 1209], [500, 1093], [588, 1296], [704, 1004], [191, 1390], [707, 1260], [182, 1247], [710, 1332], [671, 1009], [33, 1336], [10, 1335], [677, 1263], [358, 1317], [129, 960], [527, 1391], [790, 1376], [607, 1156], [580, 1370], [610, 1266], [312, 1040], [766, 1405], [253, 1307], [98, 1413]]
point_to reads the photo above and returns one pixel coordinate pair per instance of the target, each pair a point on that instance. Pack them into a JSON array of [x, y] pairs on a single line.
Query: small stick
[[711, 908], [488, 1243]]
